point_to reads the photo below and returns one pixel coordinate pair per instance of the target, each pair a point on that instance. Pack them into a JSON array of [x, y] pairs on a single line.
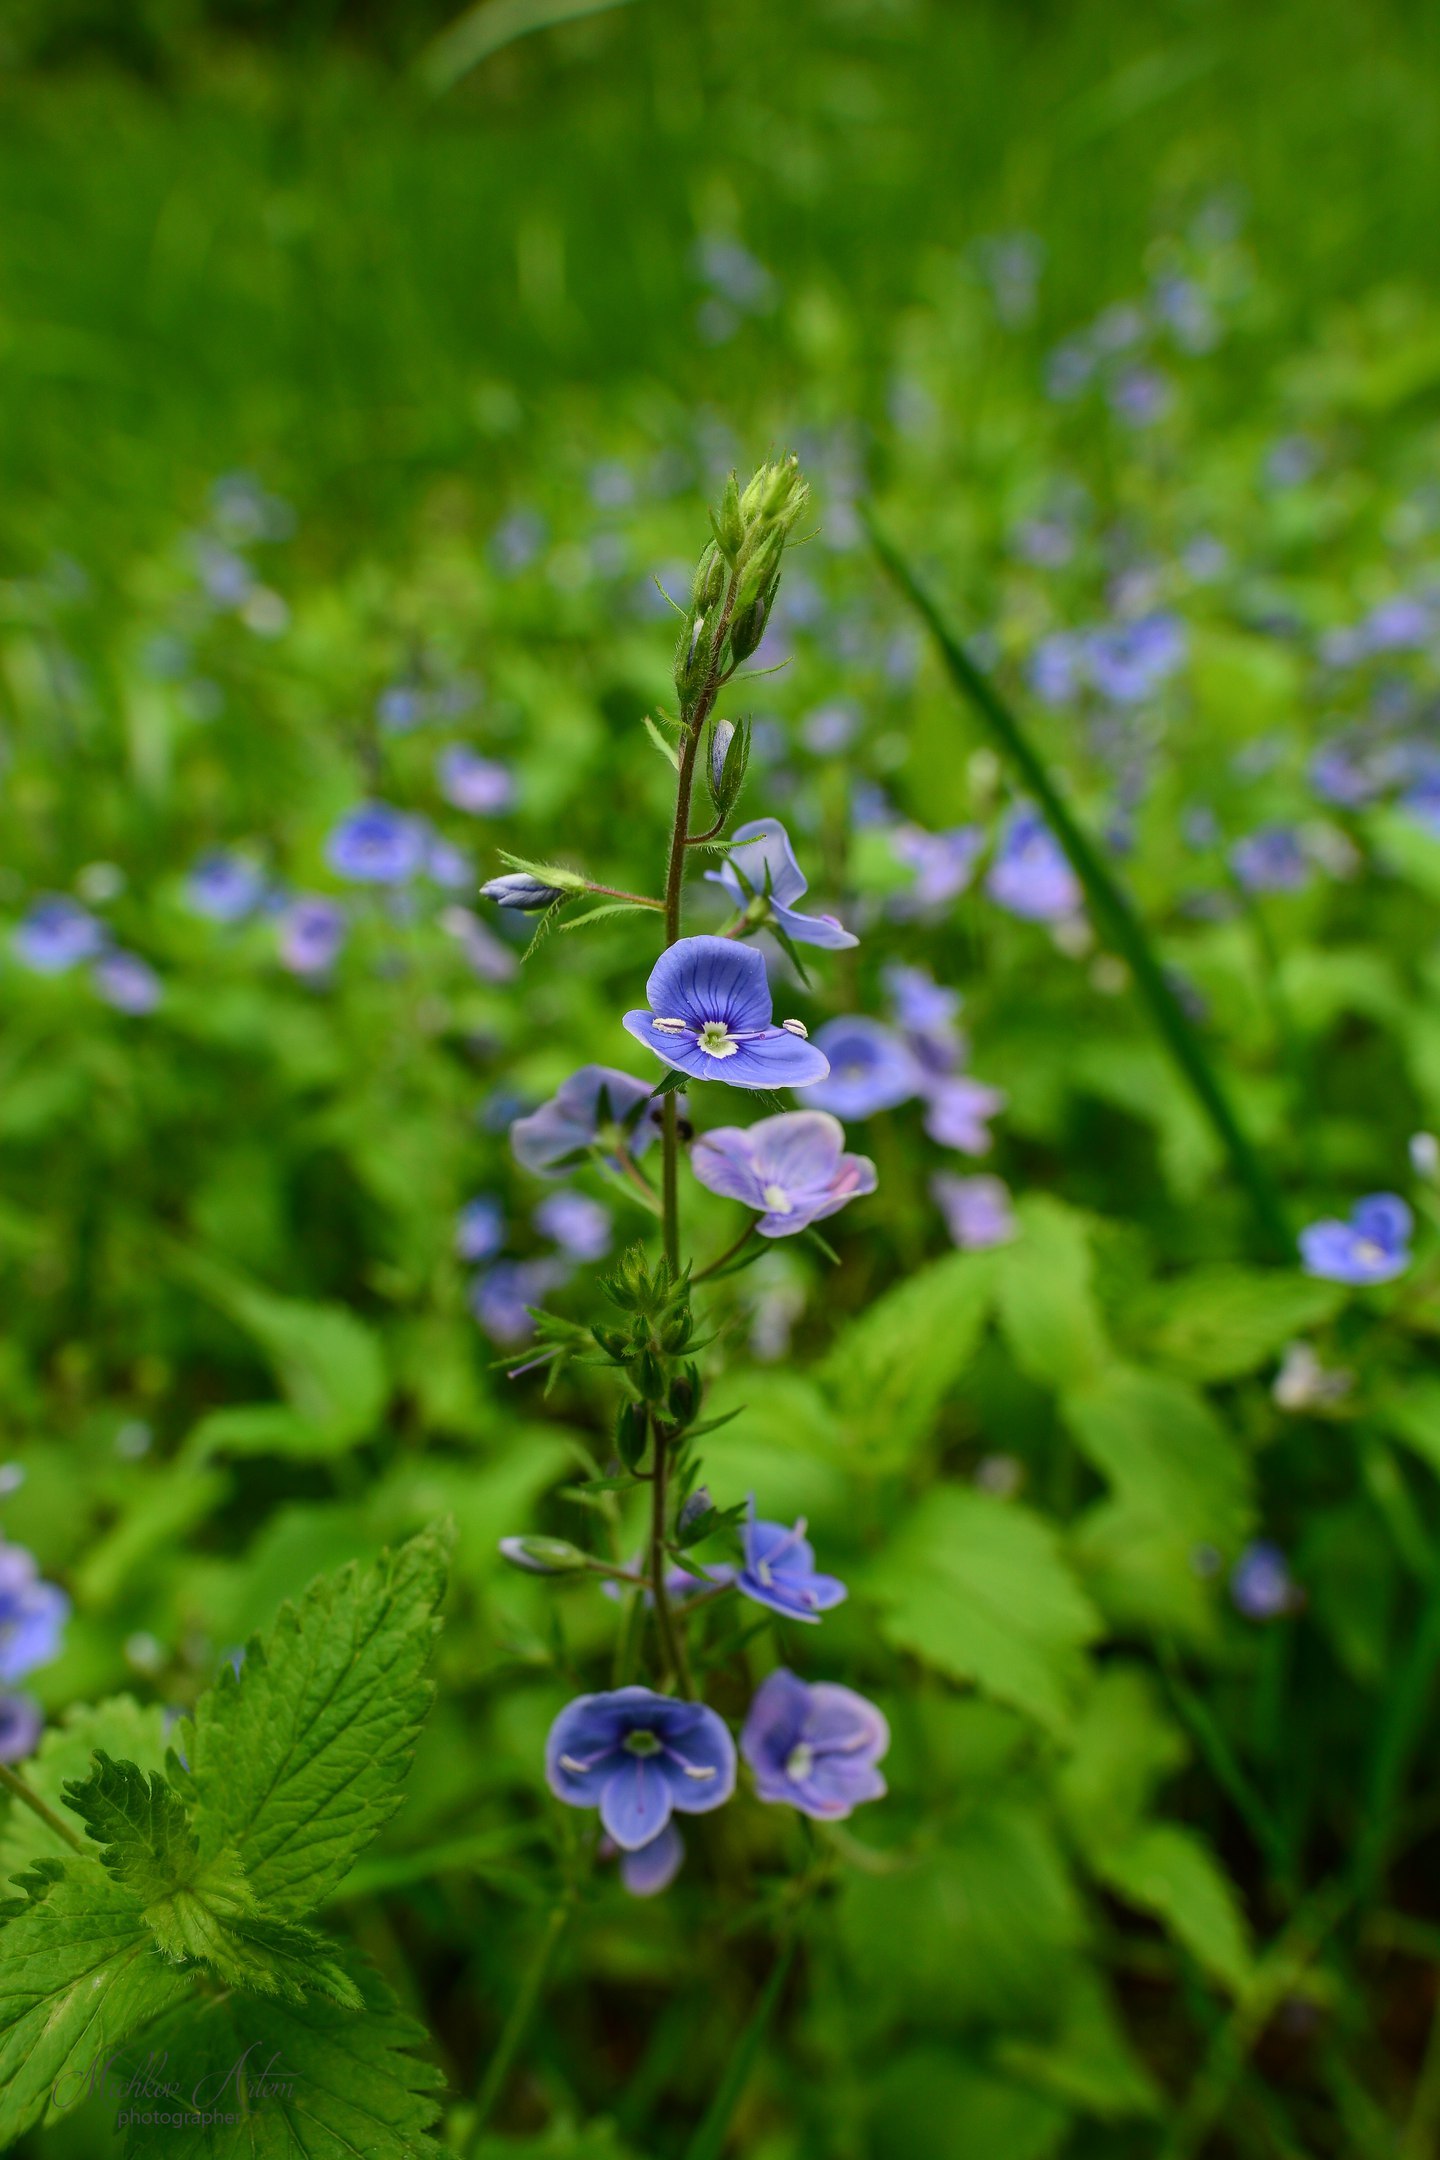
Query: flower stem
[[729, 1253], [523, 2010], [31, 1799], [672, 1648]]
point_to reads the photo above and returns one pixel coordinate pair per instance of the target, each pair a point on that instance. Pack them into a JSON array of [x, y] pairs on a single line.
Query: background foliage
[[1155, 1877]]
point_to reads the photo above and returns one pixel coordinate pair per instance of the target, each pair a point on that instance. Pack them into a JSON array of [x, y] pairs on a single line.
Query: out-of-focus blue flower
[[1183, 307], [1031, 875], [1291, 461], [1069, 369], [473, 783], [56, 935], [401, 707], [956, 1108], [1010, 264], [227, 577], [579, 1225], [32, 1614], [830, 728], [1057, 669], [310, 933], [595, 1107], [1347, 772], [711, 1016], [1403, 624], [943, 862], [761, 865], [732, 271], [480, 1228], [793, 1168], [489, 959], [779, 1571], [517, 541], [1129, 662], [127, 982], [1422, 804], [448, 865], [1261, 1585], [638, 1757], [814, 1747], [1271, 860], [654, 1867], [518, 891], [1141, 396], [871, 1068], [377, 845], [224, 887], [1372, 1247], [21, 1724], [501, 1298], [920, 1004], [977, 1210]]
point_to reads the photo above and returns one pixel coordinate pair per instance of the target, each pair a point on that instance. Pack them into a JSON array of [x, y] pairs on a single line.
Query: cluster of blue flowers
[[32, 1615], [57, 935]]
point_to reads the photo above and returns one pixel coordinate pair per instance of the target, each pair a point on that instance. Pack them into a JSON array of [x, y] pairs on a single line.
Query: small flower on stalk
[[1372, 1247], [814, 1748], [501, 1300], [793, 1168], [956, 1110], [711, 1016], [57, 935], [480, 1228], [595, 1107], [638, 1756], [1271, 860], [779, 1571], [1261, 1585], [377, 845], [870, 1068], [1031, 875], [977, 1210], [761, 874]]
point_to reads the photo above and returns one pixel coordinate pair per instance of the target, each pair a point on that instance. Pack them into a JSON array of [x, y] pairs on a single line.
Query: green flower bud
[[728, 522], [544, 1555], [631, 1428]]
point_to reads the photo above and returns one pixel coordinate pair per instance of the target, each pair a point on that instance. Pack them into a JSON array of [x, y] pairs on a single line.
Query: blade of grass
[[1115, 916], [709, 2140]]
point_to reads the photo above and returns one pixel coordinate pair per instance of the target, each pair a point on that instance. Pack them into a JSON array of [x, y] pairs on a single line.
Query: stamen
[[577, 1767], [796, 1027], [670, 1027], [699, 1771]]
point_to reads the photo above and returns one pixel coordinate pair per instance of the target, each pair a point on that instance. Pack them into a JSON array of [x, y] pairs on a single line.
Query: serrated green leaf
[[79, 1971], [1166, 1454], [305, 2083], [140, 1825], [1170, 1872], [1048, 1312], [894, 1365], [978, 1588], [119, 1725], [298, 1760], [1125, 1745]]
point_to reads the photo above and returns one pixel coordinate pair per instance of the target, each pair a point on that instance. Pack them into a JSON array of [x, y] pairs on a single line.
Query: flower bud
[[747, 630], [631, 1428], [696, 1508], [729, 756], [543, 1555], [711, 579], [519, 891], [728, 522], [692, 659]]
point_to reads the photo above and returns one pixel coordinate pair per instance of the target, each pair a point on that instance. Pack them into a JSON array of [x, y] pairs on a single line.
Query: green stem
[[24, 1793], [522, 2011], [1407, 1711], [671, 1646], [1106, 897], [729, 1253]]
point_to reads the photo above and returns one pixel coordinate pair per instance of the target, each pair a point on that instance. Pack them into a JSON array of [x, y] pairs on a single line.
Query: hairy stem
[[672, 1647], [31, 1799]]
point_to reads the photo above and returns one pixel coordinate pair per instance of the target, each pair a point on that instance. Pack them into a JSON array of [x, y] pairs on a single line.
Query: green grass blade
[[1114, 914], [708, 2142]]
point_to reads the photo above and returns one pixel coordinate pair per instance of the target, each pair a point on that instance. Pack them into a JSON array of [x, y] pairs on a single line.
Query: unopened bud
[[696, 1508], [543, 1555], [519, 891], [747, 630], [721, 735]]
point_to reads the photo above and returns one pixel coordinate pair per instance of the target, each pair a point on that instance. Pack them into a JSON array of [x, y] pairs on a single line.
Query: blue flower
[[581, 1227], [377, 845], [814, 1747], [448, 865], [793, 1168], [955, 1113], [32, 1613], [311, 932], [1372, 1247], [711, 1016], [977, 1210], [761, 866], [1031, 875], [595, 1107], [654, 1867], [473, 783], [127, 982], [1271, 860], [1128, 663], [502, 1298], [921, 1005], [943, 862], [21, 1723], [401, 707], [779, 1571], [56, 935], [870, 1068], [480, 1228], [1261, 1585], [638, 1756], [224, 887]]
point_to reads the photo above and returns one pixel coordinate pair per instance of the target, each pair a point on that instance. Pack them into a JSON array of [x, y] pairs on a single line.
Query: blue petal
[[762, 844], [654, 1867], [775, 1061], [774, 1723], [1385, 1218], [697, 1741], [723, 1162], [711, 978], [799, 1150], [819, 930], [1328, 1250], [635, 1804]]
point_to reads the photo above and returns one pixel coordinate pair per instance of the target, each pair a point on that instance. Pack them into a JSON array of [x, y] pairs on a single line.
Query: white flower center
[[716, 1040], [777, 1200], [1368, 1251], [799, 1762]]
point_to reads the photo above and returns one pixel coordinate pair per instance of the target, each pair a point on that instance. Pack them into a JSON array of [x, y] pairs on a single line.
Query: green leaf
[[309, 2082], [1165, 1453], [667, 750], [79, 1970], [1171, 1872], [268, 1428], [118, 1725], [611, 907], [977, 1587], [1048, 1312], [1125, 1745], [1412, 1414], [895, 1364], [298, 1760], [1221, 1322], [932, 2100], [140, 1824], [1088, 2061]]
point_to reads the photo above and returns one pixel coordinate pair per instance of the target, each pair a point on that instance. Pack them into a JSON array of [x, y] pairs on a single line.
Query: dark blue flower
[[580, 1226], [871, 1068], [377, 845], [311, 931], [596, 1107], [21, 1723], [761, 867], [711, 1016], [127, 982], [793, 1168], [224, 887], [32, 1614], [1372, 1247], [480, 1228], [814, 1747], [779, 1571], [56, 935], [638, 1756], [1271, 860], [473, 783], [1261, 1584], [1031, 875]]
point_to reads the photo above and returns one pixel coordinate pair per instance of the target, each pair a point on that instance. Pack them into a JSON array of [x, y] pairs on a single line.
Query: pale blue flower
[[310, 933], [127, 982], [1372, 1247], [56, 935], [761, 865], [711, 1016], [779, 1571], [32, 1615], [580, 1226], [598, 1106], [224, 887], [977, 1210], [480, 1228], [475, 784], [814, 1746], [871, 1068], [377, 845], [792, 1168], [1031, 875]]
